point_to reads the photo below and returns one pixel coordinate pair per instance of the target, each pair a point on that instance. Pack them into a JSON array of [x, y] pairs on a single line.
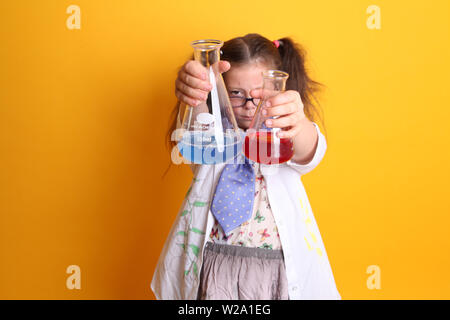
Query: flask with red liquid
[[262, 144]]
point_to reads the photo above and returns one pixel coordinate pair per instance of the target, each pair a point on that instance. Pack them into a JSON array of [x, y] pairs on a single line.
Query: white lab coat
[[308, 270]]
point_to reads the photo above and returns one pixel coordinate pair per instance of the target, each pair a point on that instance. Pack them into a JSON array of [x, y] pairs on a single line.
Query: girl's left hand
[[288, 106]]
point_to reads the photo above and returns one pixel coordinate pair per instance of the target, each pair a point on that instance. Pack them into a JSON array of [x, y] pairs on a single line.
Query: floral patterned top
[[261, 230]]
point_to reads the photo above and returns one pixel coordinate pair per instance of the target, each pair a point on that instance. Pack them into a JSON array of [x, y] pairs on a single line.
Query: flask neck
[[207, 52], [207, 57], [274, 82]]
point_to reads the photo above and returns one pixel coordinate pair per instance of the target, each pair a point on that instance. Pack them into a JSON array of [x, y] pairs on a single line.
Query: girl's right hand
[[192, 84]]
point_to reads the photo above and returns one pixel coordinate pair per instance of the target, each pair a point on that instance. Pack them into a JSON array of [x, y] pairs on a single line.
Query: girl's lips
[[247, 118]]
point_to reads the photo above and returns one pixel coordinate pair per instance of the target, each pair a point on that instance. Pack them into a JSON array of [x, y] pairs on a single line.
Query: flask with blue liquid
[[209, 133]]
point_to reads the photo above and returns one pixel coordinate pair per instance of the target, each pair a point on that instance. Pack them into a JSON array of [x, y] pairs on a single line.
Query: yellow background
[[83, 115]]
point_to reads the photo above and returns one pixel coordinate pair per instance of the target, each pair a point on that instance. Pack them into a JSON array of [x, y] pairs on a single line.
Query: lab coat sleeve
[[318, 155]]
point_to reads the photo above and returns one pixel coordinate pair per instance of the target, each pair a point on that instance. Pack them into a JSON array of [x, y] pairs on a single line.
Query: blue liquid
[[201, 148]]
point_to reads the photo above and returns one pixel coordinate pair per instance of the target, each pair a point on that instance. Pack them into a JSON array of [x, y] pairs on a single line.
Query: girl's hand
[[288, 106], [192, 84]]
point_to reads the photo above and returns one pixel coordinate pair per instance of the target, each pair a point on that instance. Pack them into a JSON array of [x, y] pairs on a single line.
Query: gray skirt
[[242, 273]]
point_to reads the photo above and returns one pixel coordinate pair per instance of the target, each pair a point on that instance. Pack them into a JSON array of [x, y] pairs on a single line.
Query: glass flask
[[209, 132], [262, 144]]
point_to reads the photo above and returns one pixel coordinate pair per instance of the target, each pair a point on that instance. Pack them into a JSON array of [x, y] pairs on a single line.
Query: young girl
[[278, 253]]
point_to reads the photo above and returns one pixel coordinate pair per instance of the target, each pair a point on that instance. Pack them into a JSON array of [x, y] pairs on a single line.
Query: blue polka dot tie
[[233, 200]]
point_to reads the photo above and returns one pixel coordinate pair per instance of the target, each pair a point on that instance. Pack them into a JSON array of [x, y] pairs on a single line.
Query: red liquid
[[259, 147]]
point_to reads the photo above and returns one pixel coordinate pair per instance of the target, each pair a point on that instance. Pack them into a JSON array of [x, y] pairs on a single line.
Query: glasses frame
[[245, 102]]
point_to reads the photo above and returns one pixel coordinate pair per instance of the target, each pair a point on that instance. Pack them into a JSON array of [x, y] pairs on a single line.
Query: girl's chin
[[244, 124]]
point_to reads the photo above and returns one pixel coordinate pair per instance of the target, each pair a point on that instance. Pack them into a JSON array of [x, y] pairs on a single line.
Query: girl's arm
[[305, 142], [303, 166], [288, 107]]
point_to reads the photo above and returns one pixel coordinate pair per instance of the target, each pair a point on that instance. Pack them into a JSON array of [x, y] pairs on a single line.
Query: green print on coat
[[194, 180], [194, 249], [200, 204]]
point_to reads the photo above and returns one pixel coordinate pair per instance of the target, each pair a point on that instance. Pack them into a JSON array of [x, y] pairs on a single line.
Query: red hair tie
[[277, 43]]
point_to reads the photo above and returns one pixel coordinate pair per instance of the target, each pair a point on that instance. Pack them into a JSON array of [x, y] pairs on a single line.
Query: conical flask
[[209, 132], [262, 144]]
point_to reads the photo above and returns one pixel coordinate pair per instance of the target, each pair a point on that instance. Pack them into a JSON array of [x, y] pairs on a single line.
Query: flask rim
[[275, 74], [207, 44]]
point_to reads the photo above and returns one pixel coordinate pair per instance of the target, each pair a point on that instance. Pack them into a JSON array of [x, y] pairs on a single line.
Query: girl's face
[[241, 80]]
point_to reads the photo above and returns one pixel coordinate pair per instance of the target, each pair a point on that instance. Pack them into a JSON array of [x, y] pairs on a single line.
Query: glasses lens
[[237, 98]]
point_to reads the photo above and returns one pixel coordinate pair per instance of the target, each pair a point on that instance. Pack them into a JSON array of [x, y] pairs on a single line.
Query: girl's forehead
[[245, 76]]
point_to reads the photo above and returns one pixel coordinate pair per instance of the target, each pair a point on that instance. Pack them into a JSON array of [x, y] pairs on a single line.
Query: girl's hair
[[289, 57]]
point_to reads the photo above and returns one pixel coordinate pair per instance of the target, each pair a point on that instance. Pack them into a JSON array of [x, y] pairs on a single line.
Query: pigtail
[[293, 57]]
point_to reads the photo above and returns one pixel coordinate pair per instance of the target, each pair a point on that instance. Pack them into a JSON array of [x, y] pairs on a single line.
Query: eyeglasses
[[238, 99]]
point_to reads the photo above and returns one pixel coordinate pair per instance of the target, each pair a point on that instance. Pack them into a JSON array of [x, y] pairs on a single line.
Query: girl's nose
[[249, 105]]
